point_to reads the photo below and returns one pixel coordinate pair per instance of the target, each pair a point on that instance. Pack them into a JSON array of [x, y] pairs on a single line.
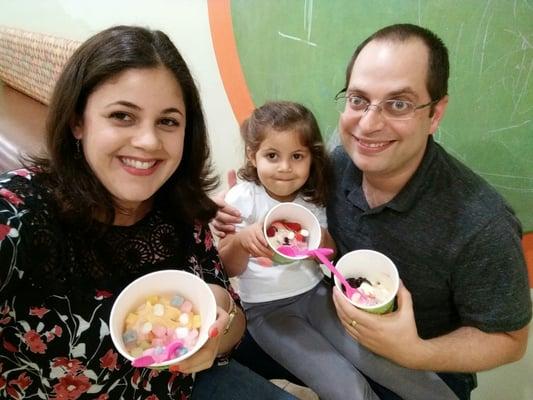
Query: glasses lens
[[398, 109]]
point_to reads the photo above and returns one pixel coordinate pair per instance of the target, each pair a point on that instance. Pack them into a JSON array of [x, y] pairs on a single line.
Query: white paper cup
[[293, 212], [164, 283], [374, 266]]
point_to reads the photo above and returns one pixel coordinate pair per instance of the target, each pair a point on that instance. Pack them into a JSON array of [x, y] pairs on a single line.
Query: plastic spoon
[[167, 354], [292, 251], [321, 254]]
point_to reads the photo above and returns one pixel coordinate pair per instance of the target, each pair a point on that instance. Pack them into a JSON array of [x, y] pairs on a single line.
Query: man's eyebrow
[[406, 90], [350, 90], [398, 92]]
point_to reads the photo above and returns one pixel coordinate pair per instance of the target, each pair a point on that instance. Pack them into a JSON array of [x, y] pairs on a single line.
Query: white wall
[[510, 382], [184, 21]]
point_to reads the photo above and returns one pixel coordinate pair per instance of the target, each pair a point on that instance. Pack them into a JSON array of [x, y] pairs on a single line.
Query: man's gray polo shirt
[[455, 241]]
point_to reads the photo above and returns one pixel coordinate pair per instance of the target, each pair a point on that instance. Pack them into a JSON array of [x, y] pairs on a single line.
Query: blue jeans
[[235, 382]]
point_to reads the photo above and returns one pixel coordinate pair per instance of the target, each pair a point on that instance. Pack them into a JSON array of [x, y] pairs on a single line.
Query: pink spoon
[[293, 251], [321, 254], [147, 360]]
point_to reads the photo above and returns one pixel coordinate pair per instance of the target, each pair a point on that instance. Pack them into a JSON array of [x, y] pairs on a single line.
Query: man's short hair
[[438, 64]]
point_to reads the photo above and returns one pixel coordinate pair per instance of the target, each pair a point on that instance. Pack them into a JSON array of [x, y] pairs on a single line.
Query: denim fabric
[[235, 382]]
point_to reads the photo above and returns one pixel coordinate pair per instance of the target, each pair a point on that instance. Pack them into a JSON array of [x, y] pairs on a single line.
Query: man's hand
[[393, 335], [227, 216]]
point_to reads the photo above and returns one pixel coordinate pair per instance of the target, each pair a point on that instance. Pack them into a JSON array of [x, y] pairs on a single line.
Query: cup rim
[[116, 337], [395, 277], [307, 211]]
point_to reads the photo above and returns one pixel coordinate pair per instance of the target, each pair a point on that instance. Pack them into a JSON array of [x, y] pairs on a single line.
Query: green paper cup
[[293, 212], [163, 283], [376, 267]]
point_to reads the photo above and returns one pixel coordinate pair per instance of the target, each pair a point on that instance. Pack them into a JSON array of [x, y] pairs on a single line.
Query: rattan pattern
[[31, 61]]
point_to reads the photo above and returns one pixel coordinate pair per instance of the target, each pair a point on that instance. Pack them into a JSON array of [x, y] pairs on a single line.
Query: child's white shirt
[[258, 283]]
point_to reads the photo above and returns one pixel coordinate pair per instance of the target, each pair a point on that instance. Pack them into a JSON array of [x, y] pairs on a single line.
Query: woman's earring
[[78, 149]]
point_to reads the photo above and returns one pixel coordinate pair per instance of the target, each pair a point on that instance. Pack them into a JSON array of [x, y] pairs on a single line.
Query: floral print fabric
[[57, 287]]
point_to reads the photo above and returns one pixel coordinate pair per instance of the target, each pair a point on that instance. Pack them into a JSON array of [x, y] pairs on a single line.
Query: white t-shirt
[[258, 283]]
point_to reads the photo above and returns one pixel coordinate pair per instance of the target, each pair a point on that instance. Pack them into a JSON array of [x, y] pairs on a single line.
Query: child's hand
[[327, 241], [253, 241]]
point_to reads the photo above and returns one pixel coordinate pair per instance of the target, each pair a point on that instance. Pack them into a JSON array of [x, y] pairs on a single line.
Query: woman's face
[[132, 131]]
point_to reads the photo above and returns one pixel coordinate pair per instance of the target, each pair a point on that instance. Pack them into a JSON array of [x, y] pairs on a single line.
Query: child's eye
[[298, 156], [271, 156]]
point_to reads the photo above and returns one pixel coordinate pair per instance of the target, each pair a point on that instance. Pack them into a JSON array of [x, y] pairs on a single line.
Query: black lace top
[[57, 287]]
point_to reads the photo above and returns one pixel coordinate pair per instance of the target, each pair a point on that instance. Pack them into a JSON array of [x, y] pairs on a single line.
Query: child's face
[[282, 163]]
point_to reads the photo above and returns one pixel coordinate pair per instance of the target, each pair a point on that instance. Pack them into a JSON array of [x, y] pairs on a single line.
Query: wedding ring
[[353, 323]]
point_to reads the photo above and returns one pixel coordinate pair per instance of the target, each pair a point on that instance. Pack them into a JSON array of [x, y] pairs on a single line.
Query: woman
[[122, 193]]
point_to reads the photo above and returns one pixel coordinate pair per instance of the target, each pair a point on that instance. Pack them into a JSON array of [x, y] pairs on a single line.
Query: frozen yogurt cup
[[164, 286], [377, 278], [292, 213]]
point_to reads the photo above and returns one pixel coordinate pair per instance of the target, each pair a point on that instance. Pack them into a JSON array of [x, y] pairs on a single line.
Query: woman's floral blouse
[[57, 287]]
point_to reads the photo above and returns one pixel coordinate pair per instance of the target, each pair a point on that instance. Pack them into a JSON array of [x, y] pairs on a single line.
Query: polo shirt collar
[[403, 201], [351, 186]]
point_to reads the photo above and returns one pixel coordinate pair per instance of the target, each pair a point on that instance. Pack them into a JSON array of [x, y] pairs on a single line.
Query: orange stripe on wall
[[228, 58], [527, 243]]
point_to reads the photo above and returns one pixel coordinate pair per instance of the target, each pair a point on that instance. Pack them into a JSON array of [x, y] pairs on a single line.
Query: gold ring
[[353, 323]]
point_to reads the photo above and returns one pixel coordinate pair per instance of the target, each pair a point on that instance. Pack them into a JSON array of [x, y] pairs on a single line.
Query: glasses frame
[[378, 106]]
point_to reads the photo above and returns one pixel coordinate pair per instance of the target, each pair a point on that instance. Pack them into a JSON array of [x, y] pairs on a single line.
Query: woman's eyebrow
[[124, 103], [172, 110], [136, 107]]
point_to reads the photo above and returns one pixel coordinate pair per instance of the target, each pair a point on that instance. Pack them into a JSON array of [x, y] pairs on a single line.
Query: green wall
[[298, 50]]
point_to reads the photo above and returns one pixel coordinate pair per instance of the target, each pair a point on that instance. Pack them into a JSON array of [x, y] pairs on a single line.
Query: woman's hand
[[219, 342], [206, 355]]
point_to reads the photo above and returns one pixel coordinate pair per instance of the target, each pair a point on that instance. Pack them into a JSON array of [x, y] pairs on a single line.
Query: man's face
[[380, 147]]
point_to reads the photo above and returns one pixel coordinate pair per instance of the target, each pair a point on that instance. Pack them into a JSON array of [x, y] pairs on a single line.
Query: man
[[464, 305]]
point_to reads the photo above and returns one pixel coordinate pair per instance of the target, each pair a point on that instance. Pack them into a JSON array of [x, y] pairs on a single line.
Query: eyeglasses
[[394, 109]]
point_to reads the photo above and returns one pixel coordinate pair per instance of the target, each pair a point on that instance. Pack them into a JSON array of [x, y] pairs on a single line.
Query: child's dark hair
[[288, 116]]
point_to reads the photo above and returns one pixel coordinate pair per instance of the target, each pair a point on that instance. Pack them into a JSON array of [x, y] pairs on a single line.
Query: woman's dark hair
[[288, 116], [438, 63], [81, 196]]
